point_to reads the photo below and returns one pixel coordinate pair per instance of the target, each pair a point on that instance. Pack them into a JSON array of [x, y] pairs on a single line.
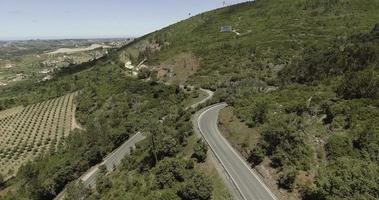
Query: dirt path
[[75, 124]]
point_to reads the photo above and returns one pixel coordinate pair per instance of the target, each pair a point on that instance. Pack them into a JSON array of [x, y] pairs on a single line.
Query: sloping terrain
[[300, 74], [33, 131], [111, 107], [273, 33]]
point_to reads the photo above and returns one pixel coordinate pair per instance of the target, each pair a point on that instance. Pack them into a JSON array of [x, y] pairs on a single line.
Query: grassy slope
[[279, 31], [122, 179], [275, 34]]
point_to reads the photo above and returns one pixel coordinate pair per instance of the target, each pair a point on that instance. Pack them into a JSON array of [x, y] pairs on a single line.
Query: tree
[[259, 113], [168, 171], [76, 191], [167, 146], [103, 182], [287, 179], [256, 156], [197, 187], [2, 182], [200, 151], [338, 146], [284, 141], [348, 178]]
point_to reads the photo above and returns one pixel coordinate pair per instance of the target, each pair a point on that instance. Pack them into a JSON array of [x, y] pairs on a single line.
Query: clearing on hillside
[[27, 132]]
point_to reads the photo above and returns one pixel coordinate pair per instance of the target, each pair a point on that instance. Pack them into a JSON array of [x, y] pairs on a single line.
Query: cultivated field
[[27, 132]]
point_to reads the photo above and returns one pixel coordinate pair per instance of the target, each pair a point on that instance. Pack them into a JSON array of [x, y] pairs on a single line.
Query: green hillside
[[273, 33], [303, 76], [300, 76]]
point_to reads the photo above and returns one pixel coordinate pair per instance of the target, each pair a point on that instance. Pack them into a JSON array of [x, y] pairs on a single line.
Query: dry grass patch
[[238, 133], [178, 69]]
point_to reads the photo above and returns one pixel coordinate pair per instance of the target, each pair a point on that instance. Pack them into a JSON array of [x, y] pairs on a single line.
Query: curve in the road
[[114, 158], [209, 96], [243, 177]]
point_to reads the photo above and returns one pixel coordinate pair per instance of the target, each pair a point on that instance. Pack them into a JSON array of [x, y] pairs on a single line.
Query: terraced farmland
[[27, 132]]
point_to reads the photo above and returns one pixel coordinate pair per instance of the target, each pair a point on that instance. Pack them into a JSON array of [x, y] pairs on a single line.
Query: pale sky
[[46, 19]]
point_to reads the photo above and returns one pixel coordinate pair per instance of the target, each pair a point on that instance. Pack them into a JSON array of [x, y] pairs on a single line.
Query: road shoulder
[[221, 171]]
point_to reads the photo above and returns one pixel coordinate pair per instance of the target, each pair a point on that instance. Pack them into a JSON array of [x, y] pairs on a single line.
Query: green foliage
[[348, 178], [197, 187], [355, 54], [363, 84], [76, 191], [109, 106], [259, 113], [287, 179], [256, 156], [200, 151], [169, 171], [299, 35], [165, 195], [285, 143], [367, 142], [168, 146], [103, 183], [339, 146]]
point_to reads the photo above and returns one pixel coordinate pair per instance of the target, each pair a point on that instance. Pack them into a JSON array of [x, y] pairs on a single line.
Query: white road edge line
[[234, 151], [218, 157]]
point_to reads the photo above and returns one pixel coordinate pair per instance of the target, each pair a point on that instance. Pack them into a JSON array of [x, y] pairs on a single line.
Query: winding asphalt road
[[110, 162], [114, 158], [209, 96], [248, 184]]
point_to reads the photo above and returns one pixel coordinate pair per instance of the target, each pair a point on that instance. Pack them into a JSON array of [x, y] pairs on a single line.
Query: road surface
[[114, 159], [245, 180], [111, 161], [209, 96]]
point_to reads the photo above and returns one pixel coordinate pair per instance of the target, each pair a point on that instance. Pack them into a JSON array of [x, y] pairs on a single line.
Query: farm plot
[[28, 132]]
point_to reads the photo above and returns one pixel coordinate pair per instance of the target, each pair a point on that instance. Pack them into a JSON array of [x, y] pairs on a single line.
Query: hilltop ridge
[[301, 81]]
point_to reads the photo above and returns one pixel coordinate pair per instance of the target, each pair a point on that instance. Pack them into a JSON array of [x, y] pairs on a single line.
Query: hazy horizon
[[98, 37], [85, 19]]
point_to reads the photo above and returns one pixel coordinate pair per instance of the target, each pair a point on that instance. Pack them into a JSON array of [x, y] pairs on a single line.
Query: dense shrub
[[103, 183], [367, 142], [256, 156], [355, 54], [168, 171], [200, 151], [197, 187], [287, 179], [285, 143], [76, 191], [339, 146], [348, 178], [259, 113], [357, 85]]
